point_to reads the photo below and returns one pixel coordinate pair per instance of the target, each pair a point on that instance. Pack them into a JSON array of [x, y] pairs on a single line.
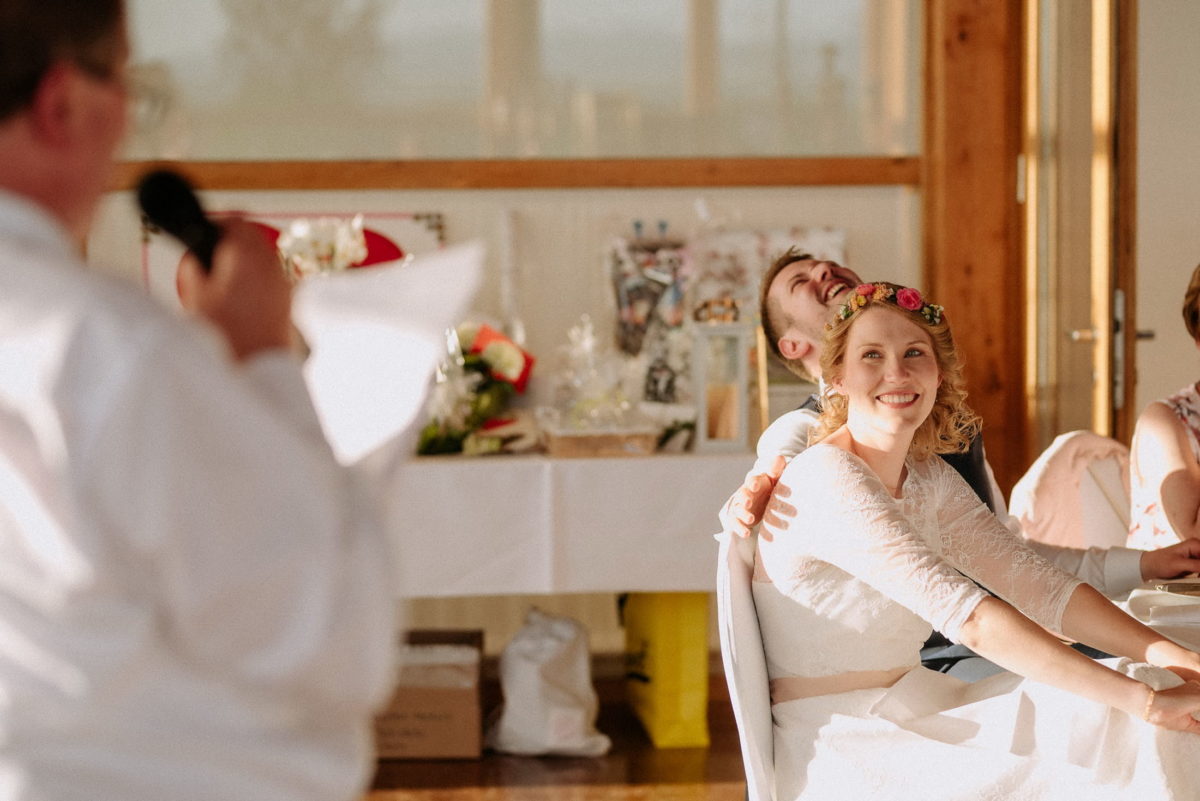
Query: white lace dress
[[849, 590]]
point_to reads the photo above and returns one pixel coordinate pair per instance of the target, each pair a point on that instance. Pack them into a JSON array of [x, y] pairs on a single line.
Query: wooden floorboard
[[633, 770]]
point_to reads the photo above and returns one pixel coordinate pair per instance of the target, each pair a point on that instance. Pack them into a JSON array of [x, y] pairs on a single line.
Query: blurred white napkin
[[1175, 614], [376, 335]]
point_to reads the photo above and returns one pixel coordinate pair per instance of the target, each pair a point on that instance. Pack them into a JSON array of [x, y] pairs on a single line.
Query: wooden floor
[[633, 770]]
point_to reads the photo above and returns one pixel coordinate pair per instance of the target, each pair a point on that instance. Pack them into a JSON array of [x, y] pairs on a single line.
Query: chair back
[[1077, 493], [745, 664]]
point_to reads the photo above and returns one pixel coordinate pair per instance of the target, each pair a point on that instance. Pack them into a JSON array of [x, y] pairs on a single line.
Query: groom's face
[[808, 293]]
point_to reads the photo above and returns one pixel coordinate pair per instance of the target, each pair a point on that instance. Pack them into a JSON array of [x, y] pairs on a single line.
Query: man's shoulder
[[787, 435], [95, 321], [113, 313], [798, 420], [47, 283]]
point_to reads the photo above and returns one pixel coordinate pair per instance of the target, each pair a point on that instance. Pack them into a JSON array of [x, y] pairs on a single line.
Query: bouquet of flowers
[[325, 245], [482, 372]]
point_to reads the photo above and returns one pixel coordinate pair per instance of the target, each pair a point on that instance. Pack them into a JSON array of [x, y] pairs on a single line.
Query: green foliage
[[488, 401]]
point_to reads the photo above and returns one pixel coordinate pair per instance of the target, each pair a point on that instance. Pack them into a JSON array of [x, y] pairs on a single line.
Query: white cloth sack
[[549, 702]]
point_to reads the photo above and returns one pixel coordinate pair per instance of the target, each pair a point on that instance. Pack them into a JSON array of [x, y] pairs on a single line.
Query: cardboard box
[[436, 712]]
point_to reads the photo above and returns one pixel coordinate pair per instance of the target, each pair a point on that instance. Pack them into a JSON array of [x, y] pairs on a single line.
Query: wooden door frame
[[974, 254], [1125, 206], [972, 243]]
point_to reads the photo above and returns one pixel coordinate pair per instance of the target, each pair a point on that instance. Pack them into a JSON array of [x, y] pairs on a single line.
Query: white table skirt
[[532, 524]]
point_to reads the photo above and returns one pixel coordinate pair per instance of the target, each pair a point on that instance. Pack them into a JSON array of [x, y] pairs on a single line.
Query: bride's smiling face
[[890, 374]]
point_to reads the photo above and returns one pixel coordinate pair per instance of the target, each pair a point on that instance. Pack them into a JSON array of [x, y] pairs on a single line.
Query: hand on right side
[[1173, 709], [1173, 561], [246, 295], [744, 509]]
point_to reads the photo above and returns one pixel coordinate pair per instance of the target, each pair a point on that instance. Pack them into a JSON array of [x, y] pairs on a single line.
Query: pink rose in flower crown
[[866, 290], [909, 299]]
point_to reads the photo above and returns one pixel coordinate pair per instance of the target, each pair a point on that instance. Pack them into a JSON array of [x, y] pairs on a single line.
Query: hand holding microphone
[[232, 277], [168, 202]]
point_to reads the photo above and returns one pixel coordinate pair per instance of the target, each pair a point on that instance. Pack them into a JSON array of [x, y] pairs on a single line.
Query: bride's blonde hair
[[951, 424]]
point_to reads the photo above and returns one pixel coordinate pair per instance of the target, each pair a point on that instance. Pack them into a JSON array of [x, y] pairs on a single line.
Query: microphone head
[[168, 201]]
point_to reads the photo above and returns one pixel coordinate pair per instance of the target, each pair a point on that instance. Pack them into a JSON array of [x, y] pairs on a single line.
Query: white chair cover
[[1077, 493], [745, 664]]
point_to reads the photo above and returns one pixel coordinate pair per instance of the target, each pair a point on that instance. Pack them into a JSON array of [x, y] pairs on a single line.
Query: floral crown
[[904, 297]]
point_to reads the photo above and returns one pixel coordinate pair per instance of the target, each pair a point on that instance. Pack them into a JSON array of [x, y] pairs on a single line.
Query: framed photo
[[721, 372]]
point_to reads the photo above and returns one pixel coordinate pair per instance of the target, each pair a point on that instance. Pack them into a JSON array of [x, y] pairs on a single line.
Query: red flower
[[909, 299], [505, 360]]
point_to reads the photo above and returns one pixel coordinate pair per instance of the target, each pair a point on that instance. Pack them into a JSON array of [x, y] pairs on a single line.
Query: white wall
[[1168, 190]]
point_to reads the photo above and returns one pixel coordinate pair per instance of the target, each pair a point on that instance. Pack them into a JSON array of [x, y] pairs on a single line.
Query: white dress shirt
[[195, 599]]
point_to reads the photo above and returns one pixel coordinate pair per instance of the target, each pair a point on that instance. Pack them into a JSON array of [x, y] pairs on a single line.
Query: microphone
[[168, 202]]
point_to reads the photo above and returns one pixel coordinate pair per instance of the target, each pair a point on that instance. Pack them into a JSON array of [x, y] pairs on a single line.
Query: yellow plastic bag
[[666, 665]]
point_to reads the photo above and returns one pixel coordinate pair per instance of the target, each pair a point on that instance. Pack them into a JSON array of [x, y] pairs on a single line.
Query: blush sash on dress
[[789, 688]]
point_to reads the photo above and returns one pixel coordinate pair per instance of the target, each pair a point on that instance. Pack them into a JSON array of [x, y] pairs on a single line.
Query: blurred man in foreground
[[194, 598]]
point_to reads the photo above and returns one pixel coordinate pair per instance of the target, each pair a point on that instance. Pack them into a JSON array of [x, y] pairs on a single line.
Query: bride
[[873, 546]]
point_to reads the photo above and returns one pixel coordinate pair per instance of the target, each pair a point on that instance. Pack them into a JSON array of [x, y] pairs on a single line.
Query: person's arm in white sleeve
[[785, 437], [1113, 578], [976, 544], [277, 376], [270, 566], [1114, 571], [777, 445]]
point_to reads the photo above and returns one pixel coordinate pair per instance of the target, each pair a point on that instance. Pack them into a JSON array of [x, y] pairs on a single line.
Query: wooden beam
[[972, 221], [538, 174]]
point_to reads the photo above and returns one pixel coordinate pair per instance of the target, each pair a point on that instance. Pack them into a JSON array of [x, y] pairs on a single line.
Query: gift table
[[502, 525]]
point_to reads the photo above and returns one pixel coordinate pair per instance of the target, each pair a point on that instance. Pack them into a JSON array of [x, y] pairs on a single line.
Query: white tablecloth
[[532, 524]]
